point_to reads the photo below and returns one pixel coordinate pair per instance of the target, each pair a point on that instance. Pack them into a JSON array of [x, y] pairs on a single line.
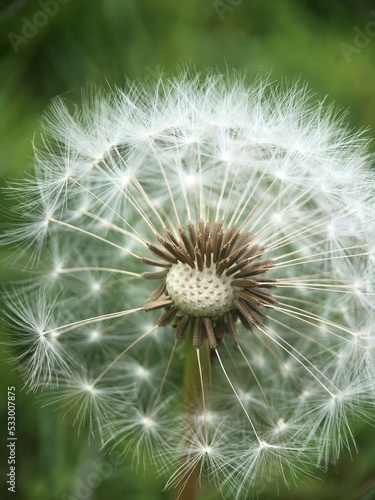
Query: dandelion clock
[[202, 287]]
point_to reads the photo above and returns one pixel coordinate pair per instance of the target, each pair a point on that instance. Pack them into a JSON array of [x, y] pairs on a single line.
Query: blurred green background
[[55, 47]]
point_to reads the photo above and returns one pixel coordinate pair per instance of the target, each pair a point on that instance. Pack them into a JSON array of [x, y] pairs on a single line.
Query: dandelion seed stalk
[[197, 370]]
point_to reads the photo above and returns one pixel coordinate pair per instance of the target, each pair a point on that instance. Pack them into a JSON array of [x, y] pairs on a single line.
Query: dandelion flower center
[[200, 293], [211, 281]]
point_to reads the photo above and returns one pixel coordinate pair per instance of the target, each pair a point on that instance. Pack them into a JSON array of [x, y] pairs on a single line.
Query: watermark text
[[362, 38], [99, 471], [31, 26], [11, 440], [222, 7]]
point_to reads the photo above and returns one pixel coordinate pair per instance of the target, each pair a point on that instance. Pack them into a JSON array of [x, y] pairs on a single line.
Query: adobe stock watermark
[[224, 6], [31, 26], [83, 488], [361, 40]]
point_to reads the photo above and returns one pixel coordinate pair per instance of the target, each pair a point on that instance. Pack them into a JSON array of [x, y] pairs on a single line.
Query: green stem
[[193, 400]]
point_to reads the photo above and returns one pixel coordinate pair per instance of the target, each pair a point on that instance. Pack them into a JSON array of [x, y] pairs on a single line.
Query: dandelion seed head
[[188, 180], [147, 422], [202, 276], [89, 388], [281, 425], [208, 417], [142, 372], [263, 445], [245, 396], [94, 335], [207, 449], [96, 287]]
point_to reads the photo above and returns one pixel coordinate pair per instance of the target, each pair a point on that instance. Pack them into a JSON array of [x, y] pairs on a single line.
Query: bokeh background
[[56, 47]]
